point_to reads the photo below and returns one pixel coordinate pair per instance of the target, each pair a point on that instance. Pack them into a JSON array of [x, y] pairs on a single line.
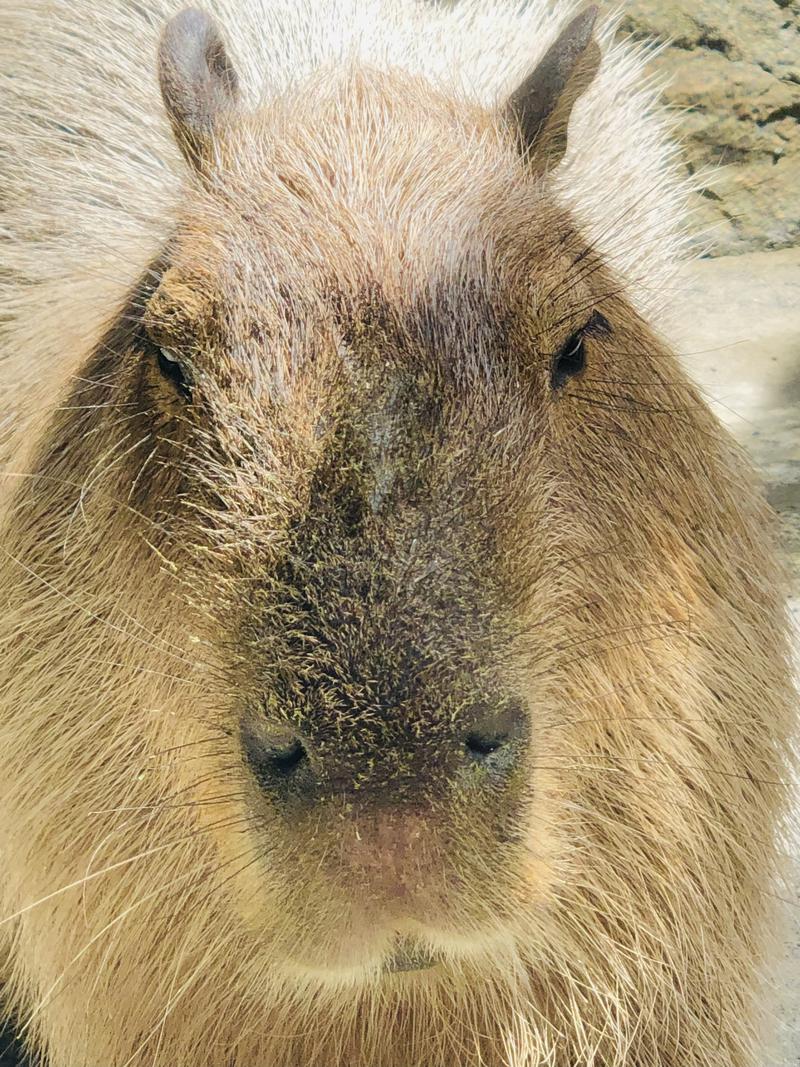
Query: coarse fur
[[368, 513]]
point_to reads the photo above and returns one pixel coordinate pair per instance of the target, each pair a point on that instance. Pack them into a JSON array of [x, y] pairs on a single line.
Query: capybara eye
[[171, 368], [570, 361]]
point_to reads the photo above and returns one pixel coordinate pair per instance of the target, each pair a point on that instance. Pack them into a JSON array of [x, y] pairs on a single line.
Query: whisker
[[90, 614], [107, 870], [48, 995]]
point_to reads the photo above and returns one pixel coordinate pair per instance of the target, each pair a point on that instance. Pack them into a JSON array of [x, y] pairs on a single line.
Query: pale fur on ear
[[541, 106], [198, 82]]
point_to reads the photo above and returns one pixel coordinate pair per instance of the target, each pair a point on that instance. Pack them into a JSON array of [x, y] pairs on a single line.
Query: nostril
[[288, 757], [278, 758], [480, 745], [496, 730]]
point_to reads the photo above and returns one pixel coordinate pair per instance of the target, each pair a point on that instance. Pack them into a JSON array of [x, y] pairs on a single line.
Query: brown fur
[[376, 514]]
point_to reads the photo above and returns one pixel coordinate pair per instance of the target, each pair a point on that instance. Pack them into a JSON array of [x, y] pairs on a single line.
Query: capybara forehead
[[306, 201], [463, 327]]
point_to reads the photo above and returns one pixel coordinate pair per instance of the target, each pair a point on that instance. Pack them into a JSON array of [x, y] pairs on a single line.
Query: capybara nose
[[287, 768], [495, 737], [279, 761]]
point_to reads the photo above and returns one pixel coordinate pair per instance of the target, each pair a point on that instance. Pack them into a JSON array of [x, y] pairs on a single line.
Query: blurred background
[[734, 68]]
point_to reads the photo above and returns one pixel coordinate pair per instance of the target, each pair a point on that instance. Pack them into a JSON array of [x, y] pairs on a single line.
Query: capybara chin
[[395, 670]]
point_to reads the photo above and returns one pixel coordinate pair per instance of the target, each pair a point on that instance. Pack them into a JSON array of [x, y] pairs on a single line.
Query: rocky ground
[[733, 70]]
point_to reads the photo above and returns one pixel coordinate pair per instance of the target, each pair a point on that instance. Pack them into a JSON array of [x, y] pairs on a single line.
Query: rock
[[734, 73]]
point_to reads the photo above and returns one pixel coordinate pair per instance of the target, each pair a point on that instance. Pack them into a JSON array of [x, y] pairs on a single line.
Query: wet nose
[[282, 761]]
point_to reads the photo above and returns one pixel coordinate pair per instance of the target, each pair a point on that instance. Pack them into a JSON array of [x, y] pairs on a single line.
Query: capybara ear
[[543, 103], [199, 85]]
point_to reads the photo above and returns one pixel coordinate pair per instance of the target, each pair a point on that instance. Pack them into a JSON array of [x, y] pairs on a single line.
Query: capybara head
[[352, 375], [397, 586]]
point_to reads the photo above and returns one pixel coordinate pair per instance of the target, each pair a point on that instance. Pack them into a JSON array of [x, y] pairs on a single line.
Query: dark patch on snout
[[378, 645]]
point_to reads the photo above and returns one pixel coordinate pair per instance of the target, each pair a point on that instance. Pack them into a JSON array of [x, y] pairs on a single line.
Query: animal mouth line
[[409, 956]]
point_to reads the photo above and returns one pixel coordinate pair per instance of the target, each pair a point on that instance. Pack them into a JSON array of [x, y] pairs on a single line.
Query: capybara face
[[363, 479]]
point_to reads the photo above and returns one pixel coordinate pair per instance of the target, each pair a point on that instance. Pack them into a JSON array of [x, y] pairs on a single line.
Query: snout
[[403, 825]]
